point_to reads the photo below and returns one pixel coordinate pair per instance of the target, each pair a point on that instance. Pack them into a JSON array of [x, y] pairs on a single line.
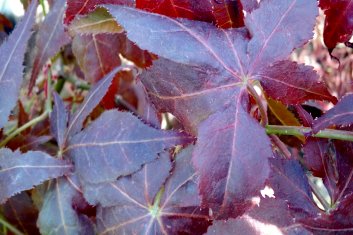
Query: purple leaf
[[142, 208], [272, 216], [51, 38], [58, 120], [231, 146], [11, 68], [274, 35], [65, 220], [340, 114], [290, 183], [92, 99], [19, 172], [102, 153], [293, 83]]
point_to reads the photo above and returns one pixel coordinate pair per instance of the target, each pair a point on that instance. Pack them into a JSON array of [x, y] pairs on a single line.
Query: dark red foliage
[[338, 21], [152, 117]]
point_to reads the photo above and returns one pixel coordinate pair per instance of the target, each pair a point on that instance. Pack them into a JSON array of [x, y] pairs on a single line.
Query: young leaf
[[225, 14], [19, 172], [340, 114], [102, 156], [92, 99], [50, 39], [283, 115], [231, 146], [82, 7], [96, 22], [11, 68], [142, 208], [58, 120], [338, 22], [65, 220]]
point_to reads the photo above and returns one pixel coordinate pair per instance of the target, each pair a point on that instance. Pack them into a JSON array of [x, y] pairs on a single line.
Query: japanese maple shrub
[[85, 92]]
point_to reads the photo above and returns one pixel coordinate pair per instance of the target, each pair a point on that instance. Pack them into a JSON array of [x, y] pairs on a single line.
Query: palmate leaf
[[11, 69], [224, 14], [338, 23], [206, 81], [19, 172], [59, 199], [140, 204], [102, 156], [50, 39]]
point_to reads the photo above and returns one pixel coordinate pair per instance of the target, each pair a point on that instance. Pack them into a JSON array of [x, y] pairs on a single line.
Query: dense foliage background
[[177, 117]]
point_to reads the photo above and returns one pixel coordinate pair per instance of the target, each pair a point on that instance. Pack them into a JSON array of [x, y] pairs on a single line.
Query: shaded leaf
[[338, 22], [96, 22], [340, 114], [290, 183], [272, 216], [226, 156], [20, 172], [65, 220], [98, 154], [19, 210], [292, 83], [342, 183], [82, 7], [96, 55], [142, 208], [11, 68], [50, 39], [58, 120], [338, 221]]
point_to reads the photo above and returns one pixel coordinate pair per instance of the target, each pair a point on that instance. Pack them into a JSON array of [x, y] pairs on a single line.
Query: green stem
[[10, 227], [43, 7], [302, 131], [29, 124]]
